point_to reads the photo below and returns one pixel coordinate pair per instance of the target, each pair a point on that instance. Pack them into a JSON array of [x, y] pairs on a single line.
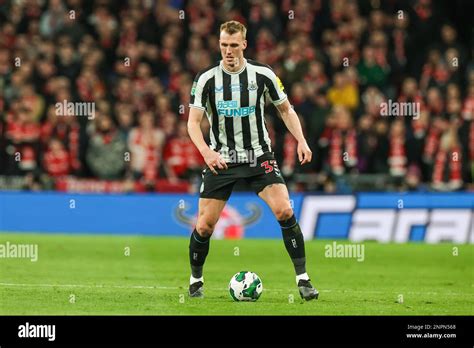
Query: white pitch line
[[90, 286]]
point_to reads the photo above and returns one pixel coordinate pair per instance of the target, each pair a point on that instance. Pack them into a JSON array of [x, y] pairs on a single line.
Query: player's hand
[[214, 160], [304, 153]]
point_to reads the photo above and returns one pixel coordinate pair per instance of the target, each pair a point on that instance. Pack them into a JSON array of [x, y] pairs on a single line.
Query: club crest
[[252, 86]]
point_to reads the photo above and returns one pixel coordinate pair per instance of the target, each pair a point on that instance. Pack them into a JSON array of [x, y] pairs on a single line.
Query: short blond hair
[[233, 27]]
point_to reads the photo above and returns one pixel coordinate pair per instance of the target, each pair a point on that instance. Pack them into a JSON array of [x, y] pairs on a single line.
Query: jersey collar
[[234, 72]]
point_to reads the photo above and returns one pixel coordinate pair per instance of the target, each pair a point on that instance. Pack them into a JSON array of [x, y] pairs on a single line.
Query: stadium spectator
[[106, 150], [343, 92], [32, 101], [125, 118], [447, 170], [366, 144], [449, 40], [181, 156], [146, 146], [22, 135], [67, 130], [372, 100], [372, 72], [56, 158], [52, 19], [397, 156], [342, 142]]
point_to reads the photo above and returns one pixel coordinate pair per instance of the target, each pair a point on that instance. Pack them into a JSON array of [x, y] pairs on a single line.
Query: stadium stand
[[134, 62]]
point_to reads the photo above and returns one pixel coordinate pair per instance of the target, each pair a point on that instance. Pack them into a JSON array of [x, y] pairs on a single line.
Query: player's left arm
[[292, 122], [276, 92]]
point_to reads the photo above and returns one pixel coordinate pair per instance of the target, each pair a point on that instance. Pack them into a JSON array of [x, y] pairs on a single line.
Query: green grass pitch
[[91, 275]]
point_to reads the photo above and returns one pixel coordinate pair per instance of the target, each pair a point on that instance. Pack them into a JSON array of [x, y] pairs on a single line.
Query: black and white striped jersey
[[234, 104]]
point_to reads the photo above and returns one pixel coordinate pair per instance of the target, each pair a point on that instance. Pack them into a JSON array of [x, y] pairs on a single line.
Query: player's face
[[232, 49]]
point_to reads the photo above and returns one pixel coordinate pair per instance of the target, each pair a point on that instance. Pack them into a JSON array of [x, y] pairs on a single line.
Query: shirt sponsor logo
[[236, 87], [230, 108]]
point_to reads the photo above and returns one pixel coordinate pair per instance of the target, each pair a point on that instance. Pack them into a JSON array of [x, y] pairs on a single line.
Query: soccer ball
[[245, 286]]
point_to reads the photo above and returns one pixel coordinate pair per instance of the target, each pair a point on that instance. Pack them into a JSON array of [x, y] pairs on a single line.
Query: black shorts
[[264, 173]]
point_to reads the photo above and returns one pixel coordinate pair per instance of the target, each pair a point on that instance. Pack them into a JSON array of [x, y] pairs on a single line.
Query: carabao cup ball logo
[[231, 224]]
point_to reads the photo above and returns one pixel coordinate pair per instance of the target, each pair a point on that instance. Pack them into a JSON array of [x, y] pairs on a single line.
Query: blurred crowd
[[339, 61]]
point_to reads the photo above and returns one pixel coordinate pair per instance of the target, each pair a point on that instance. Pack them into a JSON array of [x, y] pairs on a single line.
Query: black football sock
[[294, 243], [198, 250]]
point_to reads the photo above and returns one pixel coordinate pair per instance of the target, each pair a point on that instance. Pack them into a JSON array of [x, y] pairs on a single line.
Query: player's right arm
[[197, 106], [212, 158]]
